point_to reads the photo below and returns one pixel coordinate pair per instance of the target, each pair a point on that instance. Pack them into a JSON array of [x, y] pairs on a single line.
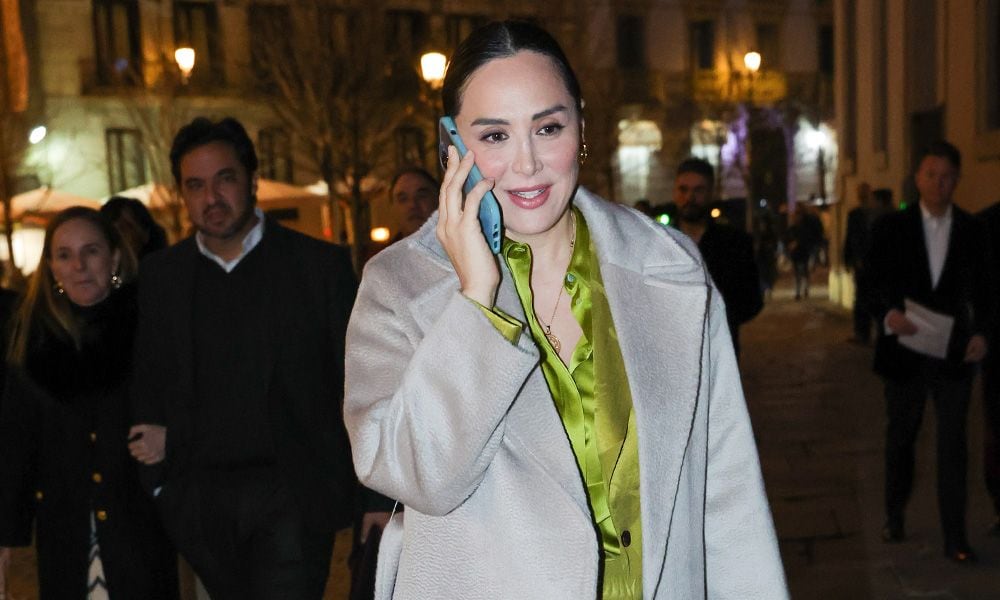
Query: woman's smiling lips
[[529, 198]]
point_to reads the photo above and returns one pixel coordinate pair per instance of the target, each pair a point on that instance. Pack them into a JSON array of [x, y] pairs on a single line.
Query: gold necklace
[[556, 344], [551, 337]]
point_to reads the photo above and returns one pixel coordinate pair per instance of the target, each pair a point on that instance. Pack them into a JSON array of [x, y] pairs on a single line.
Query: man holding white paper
[[930, 295]]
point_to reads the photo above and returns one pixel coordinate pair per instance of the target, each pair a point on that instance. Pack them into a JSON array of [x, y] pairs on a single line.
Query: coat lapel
[[533, 423], [658, 294]]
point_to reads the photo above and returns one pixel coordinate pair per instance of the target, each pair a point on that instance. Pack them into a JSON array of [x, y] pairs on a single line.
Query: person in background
[[856, 242], [499, 401], [933, 254], [138, 228], [413, 197], [727, 251], [991, 373], [64, 465], [803, 240], [238, 381]]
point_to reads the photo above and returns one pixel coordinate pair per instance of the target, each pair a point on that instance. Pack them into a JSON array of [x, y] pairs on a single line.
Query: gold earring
[[582, 156], [59, 288]]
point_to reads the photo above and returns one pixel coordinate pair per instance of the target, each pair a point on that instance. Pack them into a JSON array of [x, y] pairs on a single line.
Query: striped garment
[[97, 587]]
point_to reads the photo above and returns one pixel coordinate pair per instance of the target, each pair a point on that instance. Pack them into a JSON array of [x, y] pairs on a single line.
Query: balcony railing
[[719, 86]]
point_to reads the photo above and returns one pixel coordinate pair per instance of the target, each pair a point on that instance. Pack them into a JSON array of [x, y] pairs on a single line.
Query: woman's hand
[[461, 235], [147, 443]]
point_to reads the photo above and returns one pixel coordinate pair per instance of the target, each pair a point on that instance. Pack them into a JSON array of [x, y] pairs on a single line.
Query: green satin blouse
[[592, 397]]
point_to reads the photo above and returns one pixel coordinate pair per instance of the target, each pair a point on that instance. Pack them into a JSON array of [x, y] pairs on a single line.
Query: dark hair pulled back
[[503, 39]]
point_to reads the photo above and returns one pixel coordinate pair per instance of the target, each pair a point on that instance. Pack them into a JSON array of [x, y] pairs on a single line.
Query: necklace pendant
[[556, 344]]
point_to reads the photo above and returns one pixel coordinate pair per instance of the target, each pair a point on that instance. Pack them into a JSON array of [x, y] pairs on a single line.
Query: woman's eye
[[552, 129], [494, 137]]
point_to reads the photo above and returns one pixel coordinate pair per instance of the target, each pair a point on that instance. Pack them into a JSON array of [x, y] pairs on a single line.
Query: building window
[[769, 45], [826, 50], [274, 146], [268, 23], [196, 25], [458, 27], [411, 146], [991, 88], [116, 41], [631, 42], [126, 161], [880, 76], [701, 40], [405, 34]]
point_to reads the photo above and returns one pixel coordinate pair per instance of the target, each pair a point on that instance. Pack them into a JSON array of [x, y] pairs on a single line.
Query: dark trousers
[[991, 437], [244, 535], [905, 408], [862, 320], [801, 271]]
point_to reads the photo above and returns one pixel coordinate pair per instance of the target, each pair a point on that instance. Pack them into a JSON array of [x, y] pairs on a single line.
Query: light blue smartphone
[[489, 208]]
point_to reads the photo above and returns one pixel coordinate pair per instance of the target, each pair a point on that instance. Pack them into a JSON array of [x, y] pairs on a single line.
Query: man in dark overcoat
[[238, 381], [727, 251], [932, 254]]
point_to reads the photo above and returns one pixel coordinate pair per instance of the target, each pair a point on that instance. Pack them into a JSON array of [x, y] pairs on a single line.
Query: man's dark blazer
[[728, 254], [899, 269], [309, 290]]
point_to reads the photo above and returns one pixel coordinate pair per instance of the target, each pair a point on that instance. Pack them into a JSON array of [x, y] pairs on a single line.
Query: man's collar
[[250, 241]]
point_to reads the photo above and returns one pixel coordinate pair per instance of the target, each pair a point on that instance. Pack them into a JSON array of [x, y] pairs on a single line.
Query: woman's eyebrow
[[539, 115]]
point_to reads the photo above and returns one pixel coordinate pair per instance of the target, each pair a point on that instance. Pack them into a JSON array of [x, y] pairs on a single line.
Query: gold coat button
[[38, 495], [102, 515], [93, 437], [96, 477]]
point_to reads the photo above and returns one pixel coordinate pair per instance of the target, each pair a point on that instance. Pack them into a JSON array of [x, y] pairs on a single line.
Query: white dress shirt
[[937, 234], [250, 242]]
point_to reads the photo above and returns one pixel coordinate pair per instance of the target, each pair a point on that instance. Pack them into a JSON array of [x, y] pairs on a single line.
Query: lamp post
[[751, 60], [432, 68], [185, 62]]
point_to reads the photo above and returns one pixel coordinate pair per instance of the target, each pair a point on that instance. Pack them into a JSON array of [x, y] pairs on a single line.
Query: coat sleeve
[[747, 297], [20, 422], [147, 391], [429, 382], [741, 549]]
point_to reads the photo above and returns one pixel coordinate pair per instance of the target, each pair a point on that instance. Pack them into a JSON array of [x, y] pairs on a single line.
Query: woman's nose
[[526, 161]]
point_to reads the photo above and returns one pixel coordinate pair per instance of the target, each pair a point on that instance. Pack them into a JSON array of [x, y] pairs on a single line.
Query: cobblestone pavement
[[818, 416]]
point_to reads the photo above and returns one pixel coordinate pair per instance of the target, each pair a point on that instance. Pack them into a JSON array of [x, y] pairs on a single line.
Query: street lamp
[[185, 62], [751, 60], [432, 68], [37, 134]]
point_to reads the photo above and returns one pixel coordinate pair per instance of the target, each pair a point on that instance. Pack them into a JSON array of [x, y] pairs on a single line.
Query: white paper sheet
[[933, 330]]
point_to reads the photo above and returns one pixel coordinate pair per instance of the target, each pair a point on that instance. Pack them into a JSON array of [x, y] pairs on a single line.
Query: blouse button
[[626, 538], [39, 495], [102, 515], [96, 477], [93, 437]]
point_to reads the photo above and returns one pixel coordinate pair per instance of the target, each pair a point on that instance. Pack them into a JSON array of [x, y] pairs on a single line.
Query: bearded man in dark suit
[[238, 381]]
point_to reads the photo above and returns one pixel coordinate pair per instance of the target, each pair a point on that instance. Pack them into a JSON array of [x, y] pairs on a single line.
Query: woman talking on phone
[[563, 419]]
